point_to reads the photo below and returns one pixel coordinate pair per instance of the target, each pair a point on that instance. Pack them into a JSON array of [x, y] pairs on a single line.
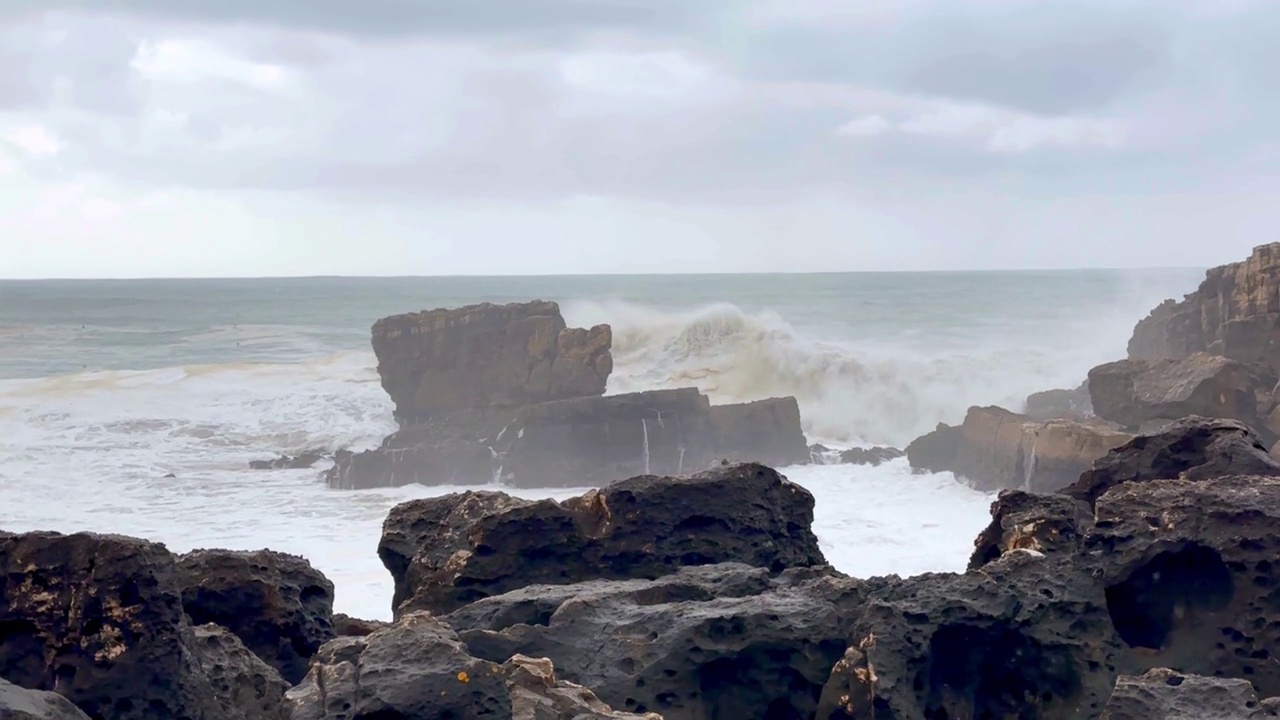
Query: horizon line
[[747, 273]]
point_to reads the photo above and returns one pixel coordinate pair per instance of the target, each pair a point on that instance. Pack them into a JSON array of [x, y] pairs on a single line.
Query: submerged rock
[[289, 462], [448, 551], [18, 703], [278, 604], [1164, 694], [1193, 448], [870, 456], [997, 449], [417, 669], [1137, 393]]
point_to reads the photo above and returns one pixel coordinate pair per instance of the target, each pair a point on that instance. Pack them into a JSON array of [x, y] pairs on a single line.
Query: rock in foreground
[[997, 449], [448, 551], [1164, 694], [278, 604], [417, 669], [18, 703]]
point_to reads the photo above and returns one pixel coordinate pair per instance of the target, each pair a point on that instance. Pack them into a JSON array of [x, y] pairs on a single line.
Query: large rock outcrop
[[486, 355], [581, 442], [1075, 404], [995, 449], [278, 604], [99, 619], [18, 703], [720, 641], [470, 387], [1165, 694], [417, 669], [1137, 393], [448, 551], [1193, 448], [246, 685], [1234, 313]]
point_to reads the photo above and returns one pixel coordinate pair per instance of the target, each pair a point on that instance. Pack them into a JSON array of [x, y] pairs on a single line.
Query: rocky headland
[[1129, 570]]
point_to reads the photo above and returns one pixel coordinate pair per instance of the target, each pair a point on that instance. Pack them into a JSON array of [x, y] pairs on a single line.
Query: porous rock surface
[[246, 685], [1164, 694], [18, 703], [448, 551]]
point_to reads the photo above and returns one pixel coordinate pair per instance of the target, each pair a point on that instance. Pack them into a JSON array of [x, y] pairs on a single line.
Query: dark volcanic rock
[[99, 618], [1194, 448], [997, 449], [446, 552], [1234, 313], [1025, 637], [418, 670], [687, 647], [1047, 524], [1135, 393], [1189, 570], [18, 703], [1061, 404], [347, 626], [247, 686], [278, 604], [487, 355], [870, 456], [1164, 694]]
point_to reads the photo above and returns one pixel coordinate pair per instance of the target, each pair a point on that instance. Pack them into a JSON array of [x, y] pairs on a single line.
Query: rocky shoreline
[[1129, 570]]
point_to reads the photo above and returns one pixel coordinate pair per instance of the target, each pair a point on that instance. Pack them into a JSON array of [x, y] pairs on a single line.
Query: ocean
[[109, 387]]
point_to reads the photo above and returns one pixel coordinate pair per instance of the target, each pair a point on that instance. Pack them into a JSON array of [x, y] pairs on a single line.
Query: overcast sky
[[300, 137]]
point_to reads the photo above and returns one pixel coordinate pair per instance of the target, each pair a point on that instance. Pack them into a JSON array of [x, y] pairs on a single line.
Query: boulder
[[17, 703], [1073, 404], [99, 619], [278, 604], [1193, 448], [1027, 636], [1046, 524], [1164, 694], [1189, 576], [711, 642], [870, 456], [448, 551], [417, 669], [487, 355], [1134, 393], [581, 442], [1234, 313], [995, 448], [247, 686]]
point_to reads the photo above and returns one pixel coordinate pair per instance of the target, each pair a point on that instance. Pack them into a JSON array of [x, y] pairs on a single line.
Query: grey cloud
[[549, 18]]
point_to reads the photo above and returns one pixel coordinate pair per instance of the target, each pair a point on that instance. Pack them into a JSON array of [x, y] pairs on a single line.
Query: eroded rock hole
[[995, 674], [1166, 592]]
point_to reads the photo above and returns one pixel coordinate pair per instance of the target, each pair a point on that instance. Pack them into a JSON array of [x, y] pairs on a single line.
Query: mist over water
[[107, 387]]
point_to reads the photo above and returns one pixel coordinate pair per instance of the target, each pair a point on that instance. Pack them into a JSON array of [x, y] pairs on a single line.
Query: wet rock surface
[[1193, 448], [278, 604], [244, 685], [722, 641], [1164, 694], [417, 669], [996, 449], [446, 552], [874, 456], [17, 703], [1045, 524]]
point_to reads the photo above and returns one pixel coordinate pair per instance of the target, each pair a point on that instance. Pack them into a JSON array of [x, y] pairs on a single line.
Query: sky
[[175, 138]]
